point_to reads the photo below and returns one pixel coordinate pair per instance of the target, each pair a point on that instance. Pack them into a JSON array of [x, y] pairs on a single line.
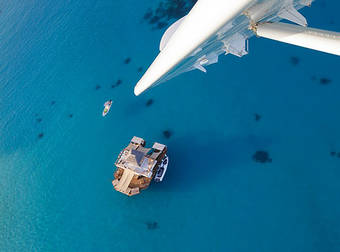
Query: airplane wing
[[215, 27]]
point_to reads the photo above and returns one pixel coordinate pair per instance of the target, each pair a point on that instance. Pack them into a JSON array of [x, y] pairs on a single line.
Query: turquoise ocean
[[61, 60]]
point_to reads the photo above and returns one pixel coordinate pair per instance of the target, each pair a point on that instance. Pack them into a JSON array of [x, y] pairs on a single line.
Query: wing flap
[[237, 45], [290, 13]]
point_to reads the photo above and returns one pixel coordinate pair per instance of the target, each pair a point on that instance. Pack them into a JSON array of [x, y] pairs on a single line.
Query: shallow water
[[62, 58]]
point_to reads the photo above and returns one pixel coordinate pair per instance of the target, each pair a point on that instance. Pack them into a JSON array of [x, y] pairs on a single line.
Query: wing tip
[[137, 90]]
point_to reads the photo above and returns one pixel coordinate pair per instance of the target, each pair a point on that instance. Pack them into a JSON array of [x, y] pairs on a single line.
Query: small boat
[[107, 106], [162, 169]]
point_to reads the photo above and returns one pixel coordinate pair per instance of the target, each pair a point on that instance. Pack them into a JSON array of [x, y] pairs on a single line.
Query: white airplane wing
[[215, 27]]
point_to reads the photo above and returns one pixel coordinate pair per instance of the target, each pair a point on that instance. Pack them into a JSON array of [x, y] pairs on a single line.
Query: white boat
[[162, 169], [107, 106]]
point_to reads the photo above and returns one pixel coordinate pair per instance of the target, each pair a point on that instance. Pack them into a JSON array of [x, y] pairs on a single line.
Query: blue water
[[56, 192]]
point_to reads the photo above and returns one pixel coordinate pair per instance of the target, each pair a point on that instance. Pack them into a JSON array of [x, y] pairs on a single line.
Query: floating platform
[[137, 166]]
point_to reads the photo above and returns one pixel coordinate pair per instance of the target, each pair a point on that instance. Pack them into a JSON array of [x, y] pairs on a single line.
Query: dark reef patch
[[52, 102], [335, 154], [148, 14], [325, 81], [140, 69], [152, 225], [294, 60], [70, 115], [322, 81], [261, 156], [41, 135], [167, 134], [168, 11], [149, 102], [118, 82], [154, 20], [161, 25], [127, 60], [97, 87], [257, 117], [39, 120]]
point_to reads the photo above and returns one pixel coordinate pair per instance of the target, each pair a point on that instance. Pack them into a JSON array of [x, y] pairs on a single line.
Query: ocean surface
[[61, 60]]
